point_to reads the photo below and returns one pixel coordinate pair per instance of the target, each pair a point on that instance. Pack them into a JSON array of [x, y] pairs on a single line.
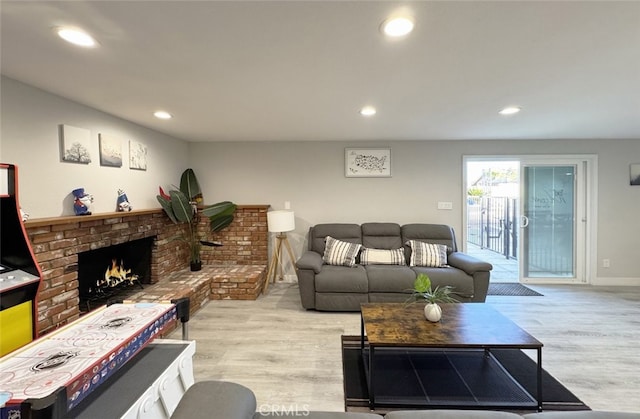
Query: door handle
[[524, 222]]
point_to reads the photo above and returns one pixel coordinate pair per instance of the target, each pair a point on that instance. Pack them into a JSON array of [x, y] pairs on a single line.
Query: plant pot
[[196, 266], [432, 312]]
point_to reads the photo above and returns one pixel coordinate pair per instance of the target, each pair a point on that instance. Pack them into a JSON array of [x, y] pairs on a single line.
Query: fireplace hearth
[[106, 273]]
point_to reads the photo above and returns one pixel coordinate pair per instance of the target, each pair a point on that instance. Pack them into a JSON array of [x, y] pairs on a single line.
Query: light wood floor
[[290, 357]]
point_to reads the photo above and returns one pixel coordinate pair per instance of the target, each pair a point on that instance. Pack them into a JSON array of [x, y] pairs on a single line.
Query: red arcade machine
[[19, 272]]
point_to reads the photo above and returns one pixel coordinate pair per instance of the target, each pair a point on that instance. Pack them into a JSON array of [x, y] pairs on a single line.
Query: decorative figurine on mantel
[[24, 215], [123, 202], [81, 202]]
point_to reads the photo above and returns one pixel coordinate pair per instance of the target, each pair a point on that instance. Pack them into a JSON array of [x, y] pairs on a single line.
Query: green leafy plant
[[180, 210], [190, 187], [220, 215], [181, 206], [422, 291], [475, 191]]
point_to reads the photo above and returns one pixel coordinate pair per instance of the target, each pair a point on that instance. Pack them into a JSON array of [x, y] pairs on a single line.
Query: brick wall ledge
[[69, 219], [213, 282]]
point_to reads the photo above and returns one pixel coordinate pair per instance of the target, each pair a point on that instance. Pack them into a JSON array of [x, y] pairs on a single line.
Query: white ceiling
[[301, 70]]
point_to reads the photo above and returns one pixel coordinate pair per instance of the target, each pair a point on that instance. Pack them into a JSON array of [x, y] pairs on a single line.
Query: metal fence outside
[[492, 224]]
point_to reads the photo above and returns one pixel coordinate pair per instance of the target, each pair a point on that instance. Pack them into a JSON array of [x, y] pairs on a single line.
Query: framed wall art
[[110, 151], [367, 162], [634, 174], [137, 156], [74, 144]]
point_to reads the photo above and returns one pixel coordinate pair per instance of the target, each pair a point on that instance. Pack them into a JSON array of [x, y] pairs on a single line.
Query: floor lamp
[[279, 222]]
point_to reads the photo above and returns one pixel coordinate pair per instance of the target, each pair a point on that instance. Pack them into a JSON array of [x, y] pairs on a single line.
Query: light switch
[[445, 205]]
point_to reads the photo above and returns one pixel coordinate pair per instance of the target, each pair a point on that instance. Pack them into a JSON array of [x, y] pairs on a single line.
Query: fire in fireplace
[[105, 274], [115, 276]]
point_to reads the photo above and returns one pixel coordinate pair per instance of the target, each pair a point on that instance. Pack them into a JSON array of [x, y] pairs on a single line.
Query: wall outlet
[[445, 205], [606, 263]]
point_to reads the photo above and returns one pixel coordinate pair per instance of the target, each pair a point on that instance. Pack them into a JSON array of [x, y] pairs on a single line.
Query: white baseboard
[[617, 282]]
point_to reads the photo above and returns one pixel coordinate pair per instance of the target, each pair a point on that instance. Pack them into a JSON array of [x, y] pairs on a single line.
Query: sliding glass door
[[552, 223], [543, 237]]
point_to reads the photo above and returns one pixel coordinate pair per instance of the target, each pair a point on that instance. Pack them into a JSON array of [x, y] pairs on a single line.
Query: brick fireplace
[[57, 242]]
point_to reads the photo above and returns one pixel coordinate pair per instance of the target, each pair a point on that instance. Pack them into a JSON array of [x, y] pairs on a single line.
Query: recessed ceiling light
[[397, 26], [509, 110], [76, 37], [162, 115], [368, 111]]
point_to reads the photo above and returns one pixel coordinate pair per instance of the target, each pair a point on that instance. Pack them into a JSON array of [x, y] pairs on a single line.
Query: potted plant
[[422, 291], [181, 206]]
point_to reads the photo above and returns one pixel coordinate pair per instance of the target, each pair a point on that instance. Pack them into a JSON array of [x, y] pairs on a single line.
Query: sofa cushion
[[381, 235], [584, 414], [432, 233], [340, 253], [389, 278], [345, 232], [450, 414], [342, 279], [382, 257], [462, 283], [305, 413], [427, 254], [340, 301], [216, 399]]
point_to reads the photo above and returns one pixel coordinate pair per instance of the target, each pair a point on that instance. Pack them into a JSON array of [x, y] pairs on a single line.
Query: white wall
[[311, 176], [30, 139]]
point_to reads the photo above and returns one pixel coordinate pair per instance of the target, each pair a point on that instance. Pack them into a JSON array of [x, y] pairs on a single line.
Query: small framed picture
[[75, 144], [367, 162], [634, 174], [137, 156], [110, 151]]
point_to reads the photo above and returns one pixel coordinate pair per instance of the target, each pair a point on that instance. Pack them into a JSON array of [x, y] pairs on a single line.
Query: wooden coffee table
[[449, 362]]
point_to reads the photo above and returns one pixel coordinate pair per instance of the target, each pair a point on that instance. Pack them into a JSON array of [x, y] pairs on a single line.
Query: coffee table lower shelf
[[435, 378]]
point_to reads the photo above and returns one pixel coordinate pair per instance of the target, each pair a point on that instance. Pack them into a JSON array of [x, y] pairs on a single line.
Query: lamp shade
[[280, 221]]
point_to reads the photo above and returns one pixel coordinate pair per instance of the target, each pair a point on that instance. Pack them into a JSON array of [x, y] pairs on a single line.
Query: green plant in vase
[[181, 206], [422, 291]]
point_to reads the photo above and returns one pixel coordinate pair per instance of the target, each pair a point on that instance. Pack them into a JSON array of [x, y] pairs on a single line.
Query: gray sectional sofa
[[341, 288], [226, 400]]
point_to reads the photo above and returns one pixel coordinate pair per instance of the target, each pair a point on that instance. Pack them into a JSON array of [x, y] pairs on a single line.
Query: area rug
[[555, 396], [511, 288]]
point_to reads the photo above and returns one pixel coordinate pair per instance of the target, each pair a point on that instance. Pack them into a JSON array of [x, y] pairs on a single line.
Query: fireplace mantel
[[67, 219]]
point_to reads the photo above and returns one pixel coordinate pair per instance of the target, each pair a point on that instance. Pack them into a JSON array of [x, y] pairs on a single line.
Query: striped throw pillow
[[340, 253], [382, 257], [427, 254]]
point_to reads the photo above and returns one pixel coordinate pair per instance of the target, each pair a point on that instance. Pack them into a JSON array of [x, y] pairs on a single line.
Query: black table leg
[[369, 365], [539, 397], [372, 402], [361, 334]]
